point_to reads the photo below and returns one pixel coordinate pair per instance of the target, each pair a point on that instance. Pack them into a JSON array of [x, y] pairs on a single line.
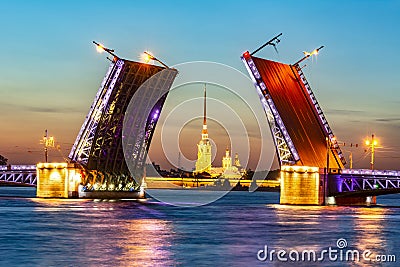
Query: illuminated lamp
[[146, 57], [100, 48]]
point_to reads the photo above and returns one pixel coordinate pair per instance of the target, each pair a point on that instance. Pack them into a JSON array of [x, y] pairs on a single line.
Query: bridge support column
[[57, 180], [301, 185]]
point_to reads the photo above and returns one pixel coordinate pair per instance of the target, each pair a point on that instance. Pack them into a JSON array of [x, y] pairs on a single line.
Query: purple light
[[156, 113]]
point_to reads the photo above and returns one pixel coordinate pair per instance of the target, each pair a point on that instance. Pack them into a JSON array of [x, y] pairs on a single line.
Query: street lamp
[[147, 56], [329, 142], [372, 144], [308, 54], [101, 48], [47, 141]]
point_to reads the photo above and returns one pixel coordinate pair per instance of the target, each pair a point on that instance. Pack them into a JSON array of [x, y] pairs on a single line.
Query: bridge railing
[[18, 177], [18, 167], [364, 182], [18, 174], [285, 148], [371, 172], [321, 115]]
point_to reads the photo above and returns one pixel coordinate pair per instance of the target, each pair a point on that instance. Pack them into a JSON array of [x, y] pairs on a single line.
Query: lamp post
[[48, 141], [147, 57], [326, 169], [350, 157], [351, 160], [372, 144], [101, 48], [328, 150], [308, 54]]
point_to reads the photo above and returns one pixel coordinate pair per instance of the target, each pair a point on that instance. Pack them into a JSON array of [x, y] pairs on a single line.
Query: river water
[[228, 232]]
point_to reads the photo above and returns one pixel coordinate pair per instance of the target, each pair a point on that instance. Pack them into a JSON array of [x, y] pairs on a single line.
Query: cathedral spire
[[203, 163], [205, 112]]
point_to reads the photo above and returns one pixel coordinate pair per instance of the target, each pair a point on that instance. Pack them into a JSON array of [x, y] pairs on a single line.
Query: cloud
[[47, 109], [52, 109], [388, 120], [345, 112]]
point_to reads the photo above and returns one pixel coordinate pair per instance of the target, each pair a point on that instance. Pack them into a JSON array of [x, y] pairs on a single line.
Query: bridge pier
[[57, 180], [63, 180], [301, 185]]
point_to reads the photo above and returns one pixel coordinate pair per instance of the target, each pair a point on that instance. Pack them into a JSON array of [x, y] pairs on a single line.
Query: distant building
[[226, 160], [237, 161], [203, 163], [229, 170]]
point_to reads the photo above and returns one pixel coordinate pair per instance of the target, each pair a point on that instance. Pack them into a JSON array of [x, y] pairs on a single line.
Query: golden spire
[[205, 112]]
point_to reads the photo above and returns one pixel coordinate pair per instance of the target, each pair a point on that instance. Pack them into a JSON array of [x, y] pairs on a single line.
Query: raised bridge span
[[312, 163]]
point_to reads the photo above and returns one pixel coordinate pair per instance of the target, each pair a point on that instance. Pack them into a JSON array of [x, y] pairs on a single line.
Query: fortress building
[[203, 163], [204, 159]]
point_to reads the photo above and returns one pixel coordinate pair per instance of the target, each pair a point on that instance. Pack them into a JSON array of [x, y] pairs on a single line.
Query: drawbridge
[[312, 163], [99, 145]]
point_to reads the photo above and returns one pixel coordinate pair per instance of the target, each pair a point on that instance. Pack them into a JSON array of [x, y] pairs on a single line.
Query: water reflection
[[230, 232], [369, 224], [317, 228], [145, 242], [301, 225], [101, 233]]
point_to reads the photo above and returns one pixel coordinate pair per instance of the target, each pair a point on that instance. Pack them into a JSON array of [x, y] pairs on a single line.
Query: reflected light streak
[[369, 224], [145, 242]]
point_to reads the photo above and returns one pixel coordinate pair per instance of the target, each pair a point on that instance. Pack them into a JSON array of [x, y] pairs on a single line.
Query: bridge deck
[[361, 182], [297, 112], [18, 177]]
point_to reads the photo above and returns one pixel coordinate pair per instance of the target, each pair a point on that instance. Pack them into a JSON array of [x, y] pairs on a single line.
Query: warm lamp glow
[[55, 176], [100, 48], [372, 145], [288, 168], [308, 54], [315, 52], [146, 57]]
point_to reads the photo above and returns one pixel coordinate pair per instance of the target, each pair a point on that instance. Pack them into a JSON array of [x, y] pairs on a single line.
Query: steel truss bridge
[[98, 148], [18, 175], [361, 182]]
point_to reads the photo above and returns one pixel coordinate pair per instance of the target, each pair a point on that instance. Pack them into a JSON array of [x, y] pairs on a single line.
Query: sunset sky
[[50, 71]]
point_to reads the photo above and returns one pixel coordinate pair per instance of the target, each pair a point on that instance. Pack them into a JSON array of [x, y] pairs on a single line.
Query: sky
[[50, 71]]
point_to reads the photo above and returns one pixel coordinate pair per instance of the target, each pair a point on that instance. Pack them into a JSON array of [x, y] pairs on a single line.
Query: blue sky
[[50, 70]]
